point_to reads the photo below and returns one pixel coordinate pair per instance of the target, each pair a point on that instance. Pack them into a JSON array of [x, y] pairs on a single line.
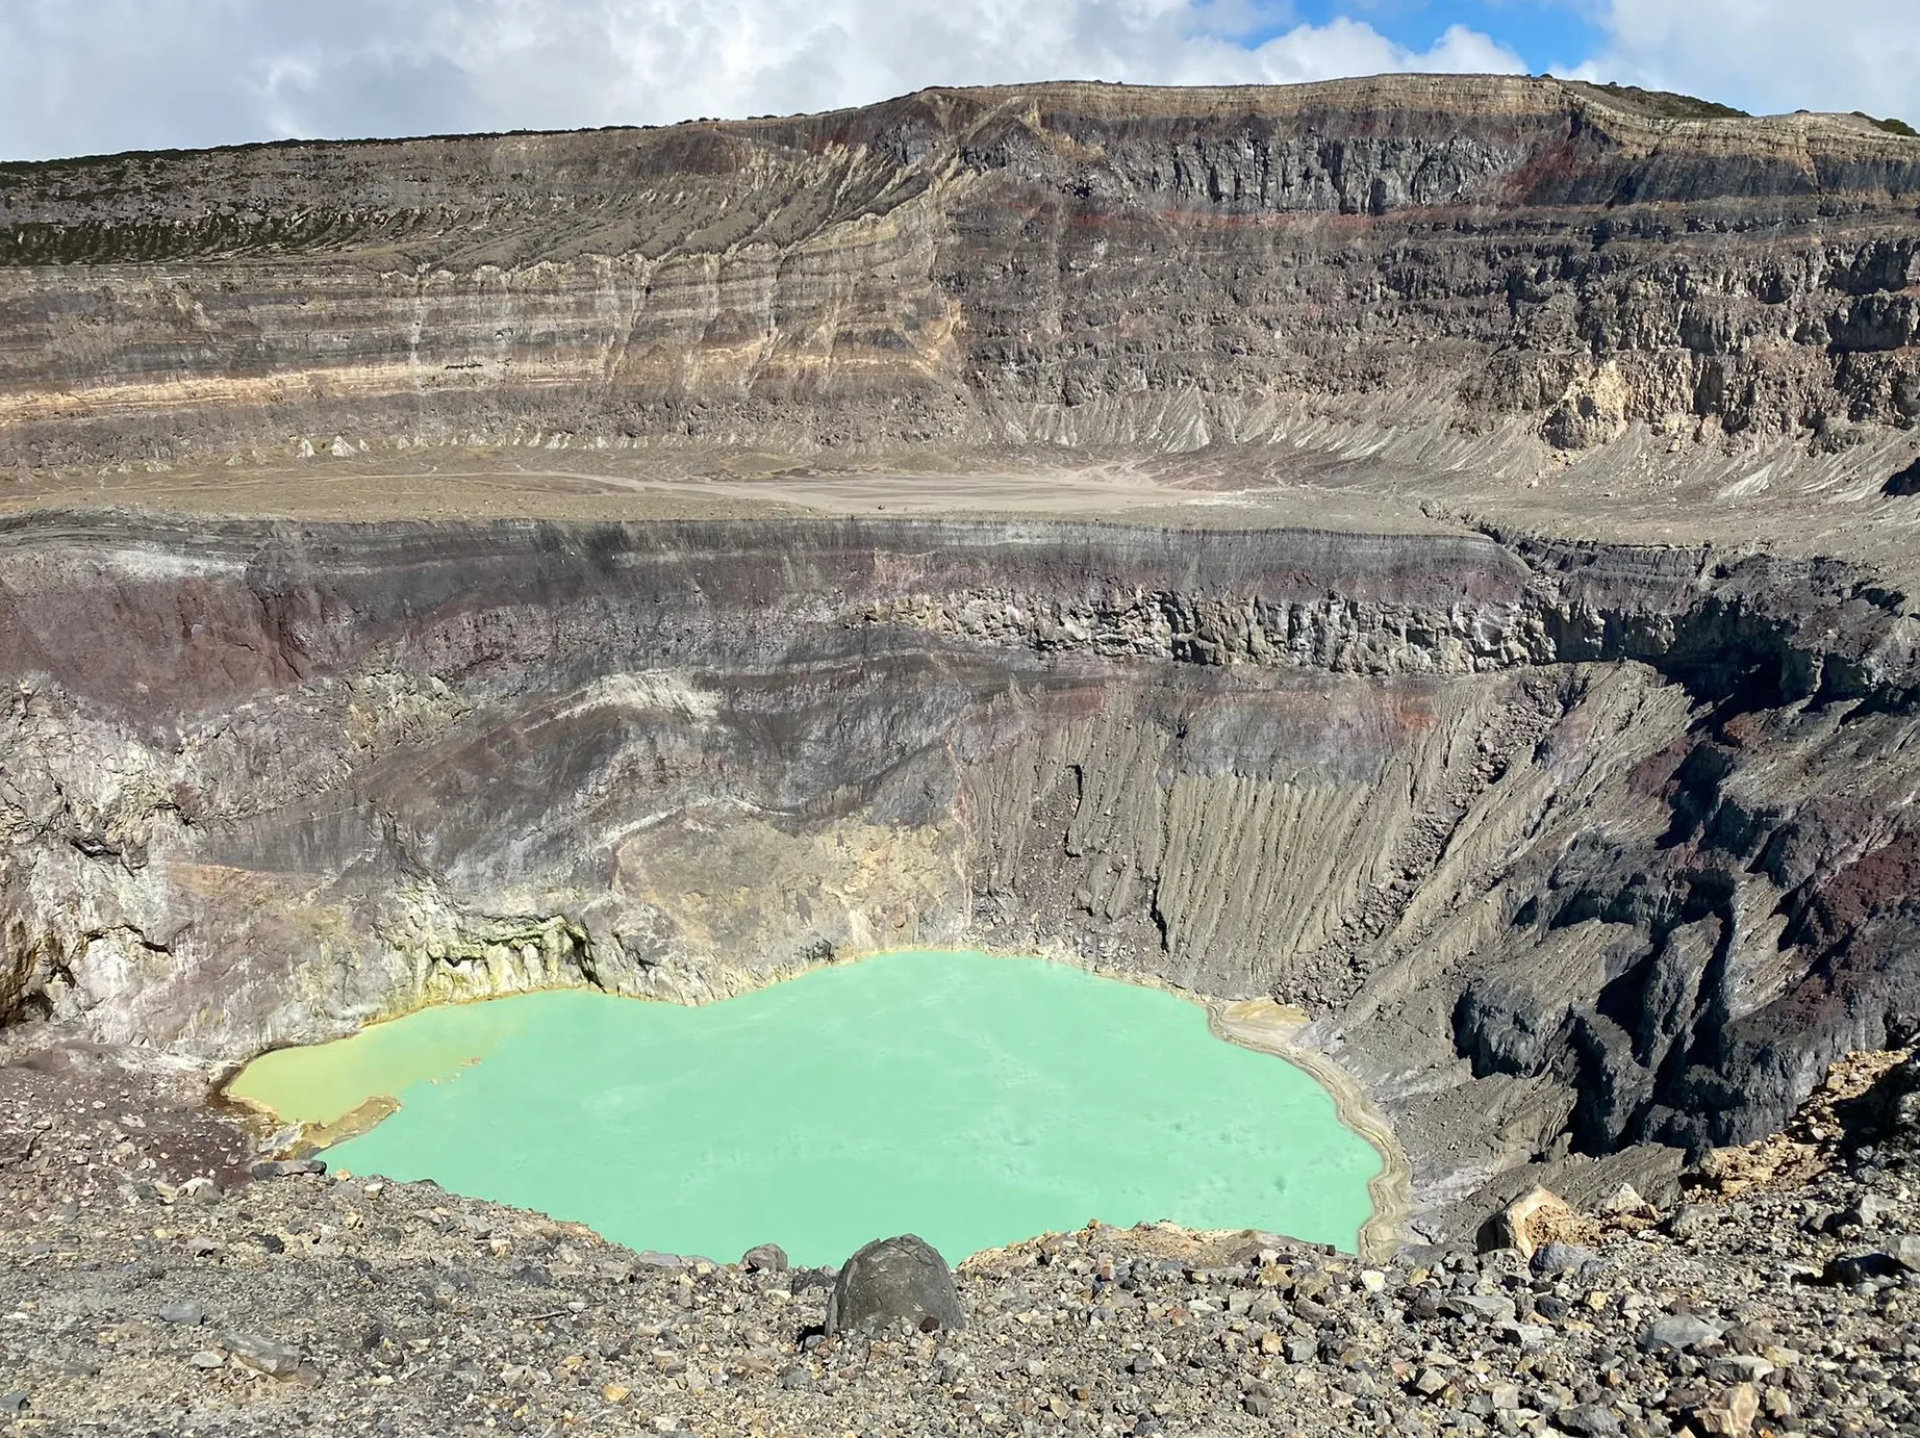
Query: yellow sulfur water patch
[[321, 1084]]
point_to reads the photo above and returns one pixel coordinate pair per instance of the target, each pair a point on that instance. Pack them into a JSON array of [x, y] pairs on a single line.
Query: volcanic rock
[[1680, 1332], [1431, 555], [1529, 1222], [765, 1258], [895, 1280], [268, 1355]]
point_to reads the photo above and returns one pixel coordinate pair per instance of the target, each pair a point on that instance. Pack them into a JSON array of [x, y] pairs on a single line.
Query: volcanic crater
[[1433, 554]]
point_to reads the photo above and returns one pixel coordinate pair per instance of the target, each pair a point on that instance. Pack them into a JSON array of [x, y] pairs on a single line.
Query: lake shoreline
[[1255, 1025]]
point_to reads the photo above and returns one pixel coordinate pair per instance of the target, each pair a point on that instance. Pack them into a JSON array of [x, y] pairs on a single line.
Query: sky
[[94, 76]]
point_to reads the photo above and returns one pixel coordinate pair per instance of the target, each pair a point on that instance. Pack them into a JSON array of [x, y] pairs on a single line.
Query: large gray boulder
[[892, 1279]]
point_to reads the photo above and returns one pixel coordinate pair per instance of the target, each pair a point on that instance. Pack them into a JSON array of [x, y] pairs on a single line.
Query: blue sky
[[1554, 35], [88, 76]]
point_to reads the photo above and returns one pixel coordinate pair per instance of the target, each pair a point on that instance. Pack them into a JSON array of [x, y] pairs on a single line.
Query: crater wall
[[1541, 262], [1565, 848]]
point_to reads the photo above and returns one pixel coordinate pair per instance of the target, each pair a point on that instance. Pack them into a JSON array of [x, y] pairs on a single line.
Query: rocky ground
[[151, 1284]]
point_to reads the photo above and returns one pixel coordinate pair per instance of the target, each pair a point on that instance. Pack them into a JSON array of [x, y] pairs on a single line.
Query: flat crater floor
[[972, 1100]]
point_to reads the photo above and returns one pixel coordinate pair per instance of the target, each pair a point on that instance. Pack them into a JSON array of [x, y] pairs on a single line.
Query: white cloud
[[82, 76], [1769, 56]]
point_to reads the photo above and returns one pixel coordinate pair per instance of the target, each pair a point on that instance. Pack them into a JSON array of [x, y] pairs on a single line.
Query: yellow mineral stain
[[346, 1087]]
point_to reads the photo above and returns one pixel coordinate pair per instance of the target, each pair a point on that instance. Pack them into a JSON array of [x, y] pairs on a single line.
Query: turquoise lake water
[[972, 1100]]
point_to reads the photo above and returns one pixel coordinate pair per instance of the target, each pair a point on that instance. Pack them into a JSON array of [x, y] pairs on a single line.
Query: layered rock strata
[[1577, 855], [1540, 261]]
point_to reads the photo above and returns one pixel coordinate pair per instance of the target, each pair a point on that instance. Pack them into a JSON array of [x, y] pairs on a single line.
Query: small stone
[[1587, 1419], [266, 1355], [1495, 1307], [1559, 1260], [1373, 1280], [1905, 1251], [1733, 1415], [1626, 1202], [1525, 1224], [206, 1358], [184, 1311], [1678, 1332], [765, 1258], [1869, 1211], [1530, 1336], [1853, 1269], [616, 1393], [1739, 1368], [1430, 1381], [15, 1402], [1692, 1221]]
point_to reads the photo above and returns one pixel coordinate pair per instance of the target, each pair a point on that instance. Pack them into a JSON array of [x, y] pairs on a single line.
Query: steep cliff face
[[1061, 264], [1598, 846]]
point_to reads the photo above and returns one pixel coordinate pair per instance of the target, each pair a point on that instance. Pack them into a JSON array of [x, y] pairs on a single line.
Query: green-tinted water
[[972, 1100]]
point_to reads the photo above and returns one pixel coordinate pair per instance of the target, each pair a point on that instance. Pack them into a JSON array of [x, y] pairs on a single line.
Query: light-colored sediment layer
[[1272, 1028], [712, 482]]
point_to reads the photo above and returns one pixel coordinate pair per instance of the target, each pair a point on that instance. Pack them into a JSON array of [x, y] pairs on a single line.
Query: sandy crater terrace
[[1424, 564]]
